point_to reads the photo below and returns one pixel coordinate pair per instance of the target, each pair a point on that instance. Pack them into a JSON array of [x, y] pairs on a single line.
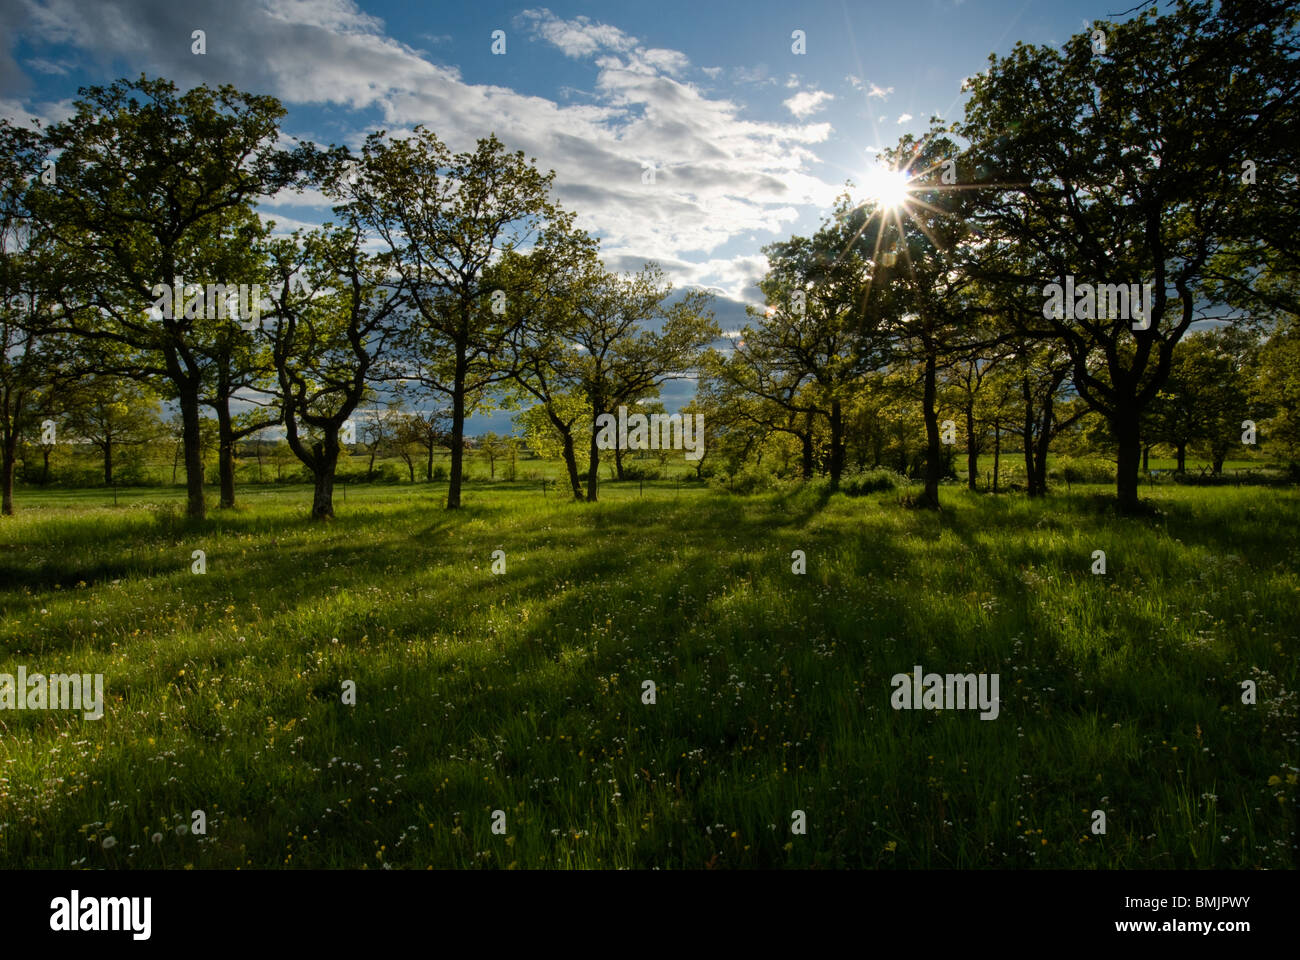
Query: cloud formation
[[807, 102], [718, 174]]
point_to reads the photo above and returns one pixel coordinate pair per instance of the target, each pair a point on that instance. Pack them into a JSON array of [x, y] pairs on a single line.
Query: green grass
[[523, 692]]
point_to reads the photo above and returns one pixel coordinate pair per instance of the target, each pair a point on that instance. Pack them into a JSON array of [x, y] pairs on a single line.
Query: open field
[[522, 692]]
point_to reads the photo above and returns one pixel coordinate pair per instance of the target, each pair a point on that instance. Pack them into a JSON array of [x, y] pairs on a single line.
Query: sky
[[749, 140]]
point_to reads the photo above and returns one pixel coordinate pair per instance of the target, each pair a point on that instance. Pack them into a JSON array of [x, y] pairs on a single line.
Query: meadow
[[522, 691]]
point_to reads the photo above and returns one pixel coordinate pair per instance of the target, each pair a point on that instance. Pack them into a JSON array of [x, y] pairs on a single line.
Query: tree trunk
[[571, 464], [428, 467], [327, 458], [593, 463], [8, 461], [1040, 462], [1043, 441], [1146, 457], [1128, 459], [933, 451], [570, 455], [972, 451], [997, 453], [837, 443], [197, 507], [457, 436], [108, 460], [225, 450], [45, 469], [618, 462], [1182, 457], [1027, 438]]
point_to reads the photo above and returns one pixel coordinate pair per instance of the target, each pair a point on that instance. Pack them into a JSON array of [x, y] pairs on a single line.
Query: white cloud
[[873, 90], [41, 65], [755, 75], [711, 72], [579, 37], [719, 175], [807, 102], [904, 117]]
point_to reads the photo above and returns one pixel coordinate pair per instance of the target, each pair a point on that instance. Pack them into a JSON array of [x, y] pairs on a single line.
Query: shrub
[[1072, 470], [870, 481], [638, 472], [746, 480]]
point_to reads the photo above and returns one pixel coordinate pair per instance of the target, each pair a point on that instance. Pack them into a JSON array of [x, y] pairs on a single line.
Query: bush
[[863, 482], [638, 472], [439, 473], [1072, 470], [746, 480]]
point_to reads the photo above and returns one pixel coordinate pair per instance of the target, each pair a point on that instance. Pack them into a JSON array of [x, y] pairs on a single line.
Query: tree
[[620, 356], [376, 429], [444, 219], [494, 448], [823, 330], [326, 340], [1277, 387], [111, 413], [33, 361], [238, 366], [1121, 167], [144, 175], [926, 253], [1207, 394], [543, 294]]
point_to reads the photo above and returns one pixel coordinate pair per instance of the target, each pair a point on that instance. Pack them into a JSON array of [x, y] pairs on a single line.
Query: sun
[[887, 187]]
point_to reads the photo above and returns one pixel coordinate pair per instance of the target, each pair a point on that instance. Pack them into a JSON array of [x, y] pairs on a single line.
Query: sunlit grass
[[523, 692]]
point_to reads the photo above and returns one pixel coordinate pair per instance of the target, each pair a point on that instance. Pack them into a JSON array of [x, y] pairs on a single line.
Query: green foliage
[[1078, 470], [863, 482]]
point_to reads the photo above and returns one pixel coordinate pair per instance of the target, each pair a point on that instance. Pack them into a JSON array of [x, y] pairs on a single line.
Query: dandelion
[[156, 838], [110, 843], [181, 829]]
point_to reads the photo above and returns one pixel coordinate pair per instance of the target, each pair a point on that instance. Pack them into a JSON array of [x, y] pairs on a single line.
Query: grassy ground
[[522, 692]]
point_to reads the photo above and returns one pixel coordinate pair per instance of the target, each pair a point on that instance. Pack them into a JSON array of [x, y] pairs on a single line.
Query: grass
[[523, 692]]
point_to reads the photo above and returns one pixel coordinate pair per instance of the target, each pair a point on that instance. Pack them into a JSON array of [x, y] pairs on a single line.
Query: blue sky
[[750, 141]]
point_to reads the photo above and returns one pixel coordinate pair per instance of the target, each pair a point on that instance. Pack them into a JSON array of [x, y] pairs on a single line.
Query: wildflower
[[110, 843]]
